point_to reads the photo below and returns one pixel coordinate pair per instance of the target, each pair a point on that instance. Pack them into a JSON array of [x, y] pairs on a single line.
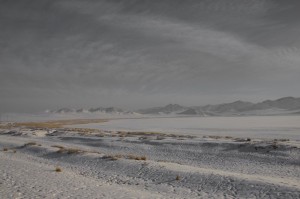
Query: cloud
[[136, 52]]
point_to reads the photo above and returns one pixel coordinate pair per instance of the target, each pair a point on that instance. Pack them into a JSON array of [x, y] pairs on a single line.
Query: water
[[252, 126]]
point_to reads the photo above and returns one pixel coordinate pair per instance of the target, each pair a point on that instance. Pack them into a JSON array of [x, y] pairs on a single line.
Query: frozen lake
[[252, 126]]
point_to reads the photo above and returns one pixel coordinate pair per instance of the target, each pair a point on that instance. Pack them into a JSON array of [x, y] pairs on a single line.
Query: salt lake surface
[[270, 127]]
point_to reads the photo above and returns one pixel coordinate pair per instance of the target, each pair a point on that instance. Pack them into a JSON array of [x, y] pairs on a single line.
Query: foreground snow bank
[[108, 165]]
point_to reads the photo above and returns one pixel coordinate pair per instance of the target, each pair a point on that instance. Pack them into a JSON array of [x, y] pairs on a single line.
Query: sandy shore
[[99, 164]]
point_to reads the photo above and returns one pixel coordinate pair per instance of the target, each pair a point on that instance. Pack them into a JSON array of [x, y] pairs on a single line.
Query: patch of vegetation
[[70, 151], [58, 146], [143, 138], [7, 149], [281, 140], [134, 157], [130, 134], [7, 126], [30, 144], [216, 137], [111, 157], [148, 135], [130, 157], [159, 137], [242, 139], [63, 149], [58, 123], [58, 169], [143, 158]]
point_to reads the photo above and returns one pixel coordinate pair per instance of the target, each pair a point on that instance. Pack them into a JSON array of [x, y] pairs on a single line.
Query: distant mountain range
[[111, 110], [286, 105]]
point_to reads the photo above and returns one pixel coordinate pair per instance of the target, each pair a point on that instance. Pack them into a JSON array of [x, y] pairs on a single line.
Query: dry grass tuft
[[144, 135], [70, 150], [242, 139], [159, 137], [30, 144], [7, 126], [216, 137], [134, 157], [58, 146], [281, 140], [130, 157], [57, 169], [143, 158], [73, 151], [7, 149], [112, 157], [62, 149], [118, 156]]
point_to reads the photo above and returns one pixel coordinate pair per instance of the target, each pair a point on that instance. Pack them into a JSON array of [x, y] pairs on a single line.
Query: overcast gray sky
[[142, 53]]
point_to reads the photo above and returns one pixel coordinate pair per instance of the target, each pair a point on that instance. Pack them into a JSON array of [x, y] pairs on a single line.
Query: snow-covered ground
[[107, 164], [272, 127]]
